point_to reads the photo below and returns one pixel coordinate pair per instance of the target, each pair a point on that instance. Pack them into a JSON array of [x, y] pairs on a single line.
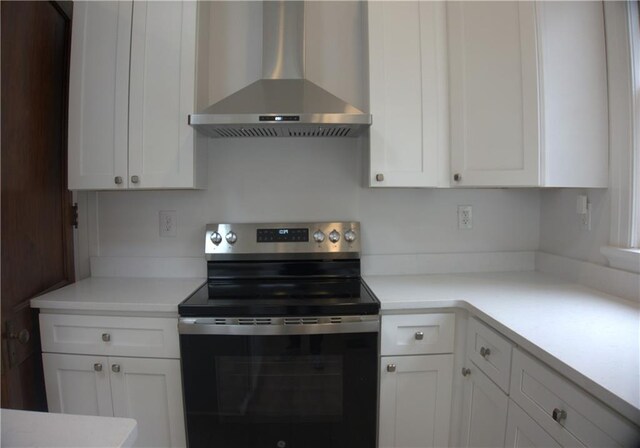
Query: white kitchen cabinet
[[484, 410], [415, 391], [524, 432], [99, 95], [97, 380], [150, 391], [132, 86], [528, 94], [415, 401], [409, 139], [77, 384], [566, 412]]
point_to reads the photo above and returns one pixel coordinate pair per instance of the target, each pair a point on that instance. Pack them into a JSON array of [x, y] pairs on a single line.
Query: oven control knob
[[216, 238], [318, 236], [350, 236], [334, 236], [231, 237]]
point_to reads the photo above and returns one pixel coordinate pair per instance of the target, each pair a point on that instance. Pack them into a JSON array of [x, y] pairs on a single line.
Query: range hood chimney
[[283, 103]]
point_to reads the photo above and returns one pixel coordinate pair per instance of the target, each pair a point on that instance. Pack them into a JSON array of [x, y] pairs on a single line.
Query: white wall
[[307, 180], [561, 232]]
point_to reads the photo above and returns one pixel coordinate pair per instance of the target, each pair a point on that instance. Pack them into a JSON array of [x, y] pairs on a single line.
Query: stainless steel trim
[[246, 247], [271, 326], [282, 40]]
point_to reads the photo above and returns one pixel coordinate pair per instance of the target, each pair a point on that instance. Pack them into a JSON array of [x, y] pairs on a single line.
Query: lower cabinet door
[[150, 391], [415, 401], [523, 431], [77, 384], [484, 410]]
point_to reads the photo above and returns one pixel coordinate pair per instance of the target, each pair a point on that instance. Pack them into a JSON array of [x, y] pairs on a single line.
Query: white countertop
[[116, 294], [43, 429], [588, 336]]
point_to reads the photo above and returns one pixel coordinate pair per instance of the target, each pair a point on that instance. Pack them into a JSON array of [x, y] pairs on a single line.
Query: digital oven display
[[282, 235]]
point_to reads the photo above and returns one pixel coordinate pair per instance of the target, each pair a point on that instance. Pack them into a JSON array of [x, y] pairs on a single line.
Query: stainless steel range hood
[[283, 103]]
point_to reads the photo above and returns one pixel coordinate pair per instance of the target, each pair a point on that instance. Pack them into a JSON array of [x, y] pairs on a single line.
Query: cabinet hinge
[[74, 215]]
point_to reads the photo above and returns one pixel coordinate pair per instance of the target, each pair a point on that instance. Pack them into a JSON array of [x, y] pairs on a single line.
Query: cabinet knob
[[115, 368], [379, 177], [117, 180], [466, 371], [135, 179], [419, 335], [457, 177], [485, 352], [559, 415], [97, 367], [391, 367], [106, 337]]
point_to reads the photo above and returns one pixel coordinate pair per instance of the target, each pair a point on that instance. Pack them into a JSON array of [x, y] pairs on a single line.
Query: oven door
[[288, 386]]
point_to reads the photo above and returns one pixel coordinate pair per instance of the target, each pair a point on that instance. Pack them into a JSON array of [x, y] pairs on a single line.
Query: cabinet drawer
[[108, 335], [490, 351], [542, 393], [418, 334]]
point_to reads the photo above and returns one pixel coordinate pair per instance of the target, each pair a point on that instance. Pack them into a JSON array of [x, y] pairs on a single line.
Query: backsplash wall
[[309, 180]]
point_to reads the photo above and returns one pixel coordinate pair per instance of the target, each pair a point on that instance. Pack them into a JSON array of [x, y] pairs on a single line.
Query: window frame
[[623, 54]]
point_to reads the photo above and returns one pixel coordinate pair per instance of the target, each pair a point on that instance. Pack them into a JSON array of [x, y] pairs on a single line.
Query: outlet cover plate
[[168, 223], [465, 217]]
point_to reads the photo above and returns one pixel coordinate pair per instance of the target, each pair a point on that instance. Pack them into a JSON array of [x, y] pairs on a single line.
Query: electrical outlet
[[465, 217], [168, 223], [585, 218]]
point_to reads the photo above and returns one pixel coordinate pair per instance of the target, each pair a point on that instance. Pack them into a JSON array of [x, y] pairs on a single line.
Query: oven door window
[[276, 388]]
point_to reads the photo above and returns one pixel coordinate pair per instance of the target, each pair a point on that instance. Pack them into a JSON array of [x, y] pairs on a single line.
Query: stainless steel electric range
[[280, 347]]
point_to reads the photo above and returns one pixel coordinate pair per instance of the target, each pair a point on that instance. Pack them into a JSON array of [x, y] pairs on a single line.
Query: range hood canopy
[[283, 103]]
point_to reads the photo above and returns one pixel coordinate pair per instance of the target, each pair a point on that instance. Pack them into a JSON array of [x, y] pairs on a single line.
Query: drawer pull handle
[[391, 367], [466, 371], [106, 337], [485, 352], [419, 335], [116, 368], [97, 367], [559, 415]]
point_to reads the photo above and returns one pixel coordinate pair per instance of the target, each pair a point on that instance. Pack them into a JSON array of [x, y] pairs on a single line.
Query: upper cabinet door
[[574, 95], [162, 95], [494, 93], [408, 94], [99, 95]]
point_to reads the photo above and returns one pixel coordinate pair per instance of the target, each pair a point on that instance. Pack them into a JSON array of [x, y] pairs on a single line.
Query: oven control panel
[[228, 241], [283, 235]]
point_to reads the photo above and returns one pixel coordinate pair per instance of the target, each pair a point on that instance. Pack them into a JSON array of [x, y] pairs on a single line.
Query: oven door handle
[[275, 326]]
